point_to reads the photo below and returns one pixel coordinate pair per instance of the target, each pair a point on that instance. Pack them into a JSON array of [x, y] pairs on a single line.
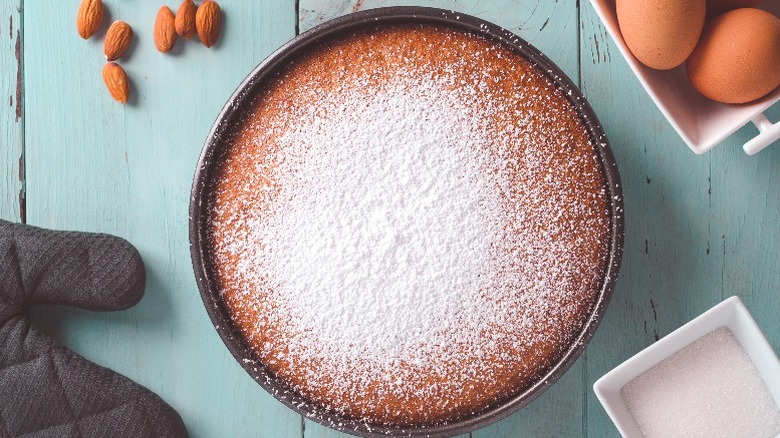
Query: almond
[[89, 18], [185, 19], [165, 30], [208, 22], [118, 39], [116, 81]]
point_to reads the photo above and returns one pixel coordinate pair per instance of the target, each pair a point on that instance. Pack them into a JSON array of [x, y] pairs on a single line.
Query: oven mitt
[[47, 390]]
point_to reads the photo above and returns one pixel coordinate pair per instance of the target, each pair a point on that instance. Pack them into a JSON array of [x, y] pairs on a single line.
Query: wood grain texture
[[551, 26], [97, 165], [699, 228], [11, 112]]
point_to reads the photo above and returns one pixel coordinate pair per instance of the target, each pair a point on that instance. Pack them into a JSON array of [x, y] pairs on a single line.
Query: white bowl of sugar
[[716, 376]]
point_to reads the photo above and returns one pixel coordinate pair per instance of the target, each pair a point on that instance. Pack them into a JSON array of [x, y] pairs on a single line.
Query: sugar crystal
[[708, 389]]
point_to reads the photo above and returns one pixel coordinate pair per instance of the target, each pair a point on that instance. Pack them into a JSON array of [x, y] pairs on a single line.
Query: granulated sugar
[[708, 389], [417, 233]]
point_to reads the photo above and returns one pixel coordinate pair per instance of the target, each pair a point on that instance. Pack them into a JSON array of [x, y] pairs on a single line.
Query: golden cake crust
[[555, 158]]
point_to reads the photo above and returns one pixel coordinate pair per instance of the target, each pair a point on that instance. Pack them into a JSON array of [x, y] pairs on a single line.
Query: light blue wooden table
[[699, 228]]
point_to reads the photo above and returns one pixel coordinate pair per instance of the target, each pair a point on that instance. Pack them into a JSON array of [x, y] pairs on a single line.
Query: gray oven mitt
[[47, 390]]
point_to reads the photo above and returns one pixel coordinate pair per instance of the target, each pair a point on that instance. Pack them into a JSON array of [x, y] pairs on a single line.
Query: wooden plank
[[744, 226], [551, 27], [699, 228], [11, 112], [97, 165]]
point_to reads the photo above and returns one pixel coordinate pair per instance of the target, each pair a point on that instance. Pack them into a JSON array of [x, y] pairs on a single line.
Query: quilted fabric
[[45, 389]]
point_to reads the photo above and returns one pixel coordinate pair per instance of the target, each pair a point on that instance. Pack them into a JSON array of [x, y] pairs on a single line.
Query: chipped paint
[[18, 51], [22, 192], [22, 207], [655, 314]]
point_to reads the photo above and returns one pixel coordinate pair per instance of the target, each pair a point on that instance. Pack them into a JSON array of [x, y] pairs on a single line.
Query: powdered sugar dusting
[[383, 235], [405, 243]]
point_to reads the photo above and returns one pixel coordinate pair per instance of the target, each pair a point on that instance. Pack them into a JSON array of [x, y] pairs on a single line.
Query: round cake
[[410, 225]]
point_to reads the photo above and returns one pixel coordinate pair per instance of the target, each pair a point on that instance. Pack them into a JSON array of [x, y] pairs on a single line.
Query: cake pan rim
[[242, 97]]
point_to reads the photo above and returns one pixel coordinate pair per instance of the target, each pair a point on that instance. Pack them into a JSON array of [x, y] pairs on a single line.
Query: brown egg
[[738, 57], [717, 7], [661, 33]]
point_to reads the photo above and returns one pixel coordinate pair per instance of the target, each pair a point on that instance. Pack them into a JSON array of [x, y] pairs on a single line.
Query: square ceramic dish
[[731, 314], [702, 123]]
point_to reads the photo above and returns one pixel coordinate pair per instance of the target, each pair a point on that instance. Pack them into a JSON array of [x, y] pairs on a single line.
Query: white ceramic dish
[[702, 123], [732, 314]]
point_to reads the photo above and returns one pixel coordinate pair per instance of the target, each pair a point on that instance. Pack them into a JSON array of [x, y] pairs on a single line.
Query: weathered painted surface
[[551, 26], [96, 165], [11, 111], [699, 228]]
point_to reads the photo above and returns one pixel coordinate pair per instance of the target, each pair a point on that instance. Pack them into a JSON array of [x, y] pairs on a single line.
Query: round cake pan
[[241, 101]]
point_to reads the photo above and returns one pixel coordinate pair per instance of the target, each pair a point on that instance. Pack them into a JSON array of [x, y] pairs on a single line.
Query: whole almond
[[118, 39], [89, 17], [116, 81], [165, 30], [208, 22], [185, 19]]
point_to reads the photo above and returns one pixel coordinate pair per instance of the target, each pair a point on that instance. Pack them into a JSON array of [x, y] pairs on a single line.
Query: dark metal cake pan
[[240, 103]]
